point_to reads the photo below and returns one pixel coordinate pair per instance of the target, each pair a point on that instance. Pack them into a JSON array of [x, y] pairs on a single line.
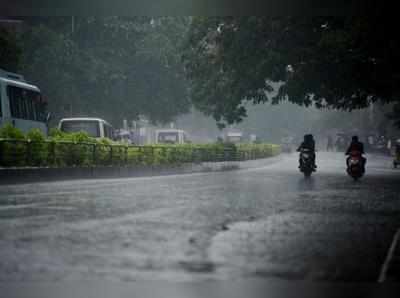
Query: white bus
[[21, 103], [94, 127], [171, 136]]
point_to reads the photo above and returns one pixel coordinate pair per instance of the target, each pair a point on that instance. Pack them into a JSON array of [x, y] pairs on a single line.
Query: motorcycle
[[306, 162], [354, 165]]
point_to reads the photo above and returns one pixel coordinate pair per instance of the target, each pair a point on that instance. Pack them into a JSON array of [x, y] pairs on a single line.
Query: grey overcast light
[[187, 156]]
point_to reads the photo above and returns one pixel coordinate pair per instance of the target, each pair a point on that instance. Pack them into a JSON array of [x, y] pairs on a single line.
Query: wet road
[[266, 222]]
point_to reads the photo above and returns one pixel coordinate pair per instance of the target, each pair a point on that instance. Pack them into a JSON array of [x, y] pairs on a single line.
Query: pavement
[[266, 222]]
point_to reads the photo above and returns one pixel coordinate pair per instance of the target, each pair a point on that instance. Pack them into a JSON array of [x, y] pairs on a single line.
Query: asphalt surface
[[267, 222]]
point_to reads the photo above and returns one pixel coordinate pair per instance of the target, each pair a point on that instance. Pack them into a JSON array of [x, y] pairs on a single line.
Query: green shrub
[[55, 132], [8, 131], [12, 153], [36, 148], [78, 149], [72, 149]]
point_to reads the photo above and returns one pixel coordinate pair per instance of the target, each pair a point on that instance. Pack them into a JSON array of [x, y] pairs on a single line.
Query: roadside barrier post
[[1, 152], [94, 154], [111, 154], [126, 155], [28, 147]]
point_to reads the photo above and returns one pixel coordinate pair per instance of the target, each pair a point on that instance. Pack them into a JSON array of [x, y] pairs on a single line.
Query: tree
[[9, 51], [110, 67], [330, 62]]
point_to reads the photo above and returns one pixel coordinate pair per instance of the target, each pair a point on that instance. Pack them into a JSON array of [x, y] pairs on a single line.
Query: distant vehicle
[[124, 136], [253, 138], [21, 103], [287, 144], [94, 127], [233, 137], [171, 136]]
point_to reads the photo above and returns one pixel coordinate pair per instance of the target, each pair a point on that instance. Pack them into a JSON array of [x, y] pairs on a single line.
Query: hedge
[[80, 150]]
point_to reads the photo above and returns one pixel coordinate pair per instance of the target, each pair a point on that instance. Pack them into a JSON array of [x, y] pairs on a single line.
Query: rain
[[190, 150]]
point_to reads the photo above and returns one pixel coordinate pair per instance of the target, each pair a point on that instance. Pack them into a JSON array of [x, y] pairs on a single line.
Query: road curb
[[30, 175]]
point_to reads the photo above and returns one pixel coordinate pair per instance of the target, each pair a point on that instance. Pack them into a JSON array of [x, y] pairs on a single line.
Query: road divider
[[15, 153], [32, 157]]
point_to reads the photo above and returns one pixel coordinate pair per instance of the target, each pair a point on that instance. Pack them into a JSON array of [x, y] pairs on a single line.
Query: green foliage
[[36, 148], [111, 67], [55, 132], [341, 62], [256, 151], [9, 51], [80, 150], [35, 135], [8, 131], [12, 153]]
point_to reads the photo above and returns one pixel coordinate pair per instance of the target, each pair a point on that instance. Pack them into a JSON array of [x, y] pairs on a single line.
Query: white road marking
[[389, 257]]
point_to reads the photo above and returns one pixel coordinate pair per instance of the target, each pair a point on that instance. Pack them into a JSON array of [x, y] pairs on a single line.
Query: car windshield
[[168, 137], [91, 127]]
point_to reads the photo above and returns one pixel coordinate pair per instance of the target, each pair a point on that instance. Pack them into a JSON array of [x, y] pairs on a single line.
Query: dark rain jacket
[[356, 146], [310, 145]]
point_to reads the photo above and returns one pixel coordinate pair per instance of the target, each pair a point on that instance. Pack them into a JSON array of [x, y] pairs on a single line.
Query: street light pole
[[72, 24]]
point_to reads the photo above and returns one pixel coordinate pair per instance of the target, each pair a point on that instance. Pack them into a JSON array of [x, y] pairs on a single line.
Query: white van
[[21, 103], [234, 137], [94, 127], [171, 136]]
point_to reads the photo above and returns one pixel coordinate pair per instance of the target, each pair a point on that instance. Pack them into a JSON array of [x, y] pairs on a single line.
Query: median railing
[[50, 153]]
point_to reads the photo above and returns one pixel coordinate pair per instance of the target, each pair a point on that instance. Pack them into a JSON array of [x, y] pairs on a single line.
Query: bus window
[[1, 103], [25, 104], [168, 137]]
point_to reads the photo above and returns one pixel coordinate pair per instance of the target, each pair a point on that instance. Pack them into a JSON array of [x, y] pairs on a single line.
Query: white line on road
[[389, 257]]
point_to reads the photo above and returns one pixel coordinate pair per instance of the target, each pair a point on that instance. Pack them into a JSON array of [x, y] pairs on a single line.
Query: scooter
[[355, 166], [306, 162]]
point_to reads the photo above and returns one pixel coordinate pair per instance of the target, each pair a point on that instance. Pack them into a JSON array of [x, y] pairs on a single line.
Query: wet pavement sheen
[[267, 222]]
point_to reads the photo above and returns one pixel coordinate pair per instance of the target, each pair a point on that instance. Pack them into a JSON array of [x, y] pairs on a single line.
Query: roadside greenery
[[113, 67], [330, 62], [80, 150]]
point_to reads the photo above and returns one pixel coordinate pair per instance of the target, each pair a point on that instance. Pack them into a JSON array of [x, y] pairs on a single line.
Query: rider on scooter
[[308, 144], [356, 146]]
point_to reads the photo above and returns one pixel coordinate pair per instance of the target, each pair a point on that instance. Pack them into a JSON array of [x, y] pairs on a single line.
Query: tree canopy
[[9, 51], [329, 62], [110, 67]]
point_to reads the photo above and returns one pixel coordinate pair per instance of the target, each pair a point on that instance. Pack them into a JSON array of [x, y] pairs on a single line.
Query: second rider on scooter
[[356, 146]]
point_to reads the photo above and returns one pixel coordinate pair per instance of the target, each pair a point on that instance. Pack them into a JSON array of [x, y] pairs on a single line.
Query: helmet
[[308, 137]]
